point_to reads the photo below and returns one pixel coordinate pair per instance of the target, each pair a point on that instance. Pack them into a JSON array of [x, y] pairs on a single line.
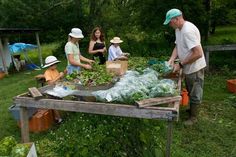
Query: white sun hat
[[116, 40], [50, 60], [76, 33]]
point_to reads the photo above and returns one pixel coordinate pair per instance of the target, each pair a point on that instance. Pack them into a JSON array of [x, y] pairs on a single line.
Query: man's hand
[[176, 67], [171, 62]]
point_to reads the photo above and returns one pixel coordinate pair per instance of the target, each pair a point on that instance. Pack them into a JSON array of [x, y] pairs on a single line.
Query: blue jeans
[[71, 69]]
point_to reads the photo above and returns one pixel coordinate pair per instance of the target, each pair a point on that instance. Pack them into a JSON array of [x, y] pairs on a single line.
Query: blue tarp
[[20, 47], [17, 48]]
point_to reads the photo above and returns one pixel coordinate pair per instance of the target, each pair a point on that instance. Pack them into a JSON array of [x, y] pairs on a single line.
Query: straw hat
[[50, 60], [76, 33], [116, 40]]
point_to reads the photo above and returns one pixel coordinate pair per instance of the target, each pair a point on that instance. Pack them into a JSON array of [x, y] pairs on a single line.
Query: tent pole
[[39, 49], [2, 56]]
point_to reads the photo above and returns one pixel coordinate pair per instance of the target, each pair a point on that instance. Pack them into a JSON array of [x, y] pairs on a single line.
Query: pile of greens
[[157, 64], [6, 145], [9, 147], [96, 76], [162, 67], [135, 86]]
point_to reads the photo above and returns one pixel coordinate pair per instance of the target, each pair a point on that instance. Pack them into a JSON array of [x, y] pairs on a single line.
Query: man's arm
[[196, 53], [173, 57]]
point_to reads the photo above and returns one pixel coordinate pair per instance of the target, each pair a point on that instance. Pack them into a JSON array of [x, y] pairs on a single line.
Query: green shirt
[[71, 48]]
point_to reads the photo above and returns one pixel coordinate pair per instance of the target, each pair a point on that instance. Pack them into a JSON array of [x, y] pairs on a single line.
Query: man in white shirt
[[190, 53]]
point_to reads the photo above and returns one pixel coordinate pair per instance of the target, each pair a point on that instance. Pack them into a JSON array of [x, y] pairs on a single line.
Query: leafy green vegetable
[[97, 76], [20, 150], [6, 145], [162, 67]]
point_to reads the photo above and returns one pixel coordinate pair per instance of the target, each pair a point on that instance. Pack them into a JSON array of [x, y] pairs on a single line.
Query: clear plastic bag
[[162, 67], [60, 91], [165, 87], [127, 88]]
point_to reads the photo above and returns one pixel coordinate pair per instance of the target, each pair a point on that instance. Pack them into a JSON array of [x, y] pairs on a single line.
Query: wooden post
[[169, 138], [207, 60], [3, 57], [39, 49], [24, 122], [213, 48]]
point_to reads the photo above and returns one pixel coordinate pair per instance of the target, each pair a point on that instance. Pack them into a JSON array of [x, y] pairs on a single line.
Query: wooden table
[[142, 109], [148, 108]]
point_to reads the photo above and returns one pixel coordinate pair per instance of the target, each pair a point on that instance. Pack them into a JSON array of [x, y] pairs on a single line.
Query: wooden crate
[[41, 121]]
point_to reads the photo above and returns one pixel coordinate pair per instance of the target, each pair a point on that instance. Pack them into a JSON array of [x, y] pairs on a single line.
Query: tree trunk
[[208, 21]]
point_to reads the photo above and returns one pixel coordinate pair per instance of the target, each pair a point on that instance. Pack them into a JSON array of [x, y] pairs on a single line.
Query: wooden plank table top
[[148, 109]]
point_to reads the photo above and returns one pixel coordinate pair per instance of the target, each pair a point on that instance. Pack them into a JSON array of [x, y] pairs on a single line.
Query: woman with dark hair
[[97, 45]]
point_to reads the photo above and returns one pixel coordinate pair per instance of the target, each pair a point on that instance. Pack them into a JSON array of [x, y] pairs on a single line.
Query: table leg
[[169, 137], [24, 122]]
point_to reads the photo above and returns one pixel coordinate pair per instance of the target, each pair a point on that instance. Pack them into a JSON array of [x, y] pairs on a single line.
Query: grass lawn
[[223, 35], [213, 136]]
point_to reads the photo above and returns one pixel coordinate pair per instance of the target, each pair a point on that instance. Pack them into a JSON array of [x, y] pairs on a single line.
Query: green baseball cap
[[170, 14]]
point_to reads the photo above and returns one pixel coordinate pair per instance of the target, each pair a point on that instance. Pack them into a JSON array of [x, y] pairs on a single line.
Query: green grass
[[223, 35], [96, 135], [45, 51]]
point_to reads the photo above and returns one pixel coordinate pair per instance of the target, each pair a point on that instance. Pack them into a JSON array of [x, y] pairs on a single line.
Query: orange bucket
[[2, 75], [231, 85], [185, 97]]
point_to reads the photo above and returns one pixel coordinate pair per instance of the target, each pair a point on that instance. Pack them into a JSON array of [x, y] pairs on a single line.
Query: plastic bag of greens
[[162, 67], [148, 78], [165, 87], [60, 91], [132, 86]]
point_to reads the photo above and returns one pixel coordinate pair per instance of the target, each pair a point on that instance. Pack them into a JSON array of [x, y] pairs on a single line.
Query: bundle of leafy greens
[[20, 150], [9, 147], [6, 145], [162, 67], [134, 86]]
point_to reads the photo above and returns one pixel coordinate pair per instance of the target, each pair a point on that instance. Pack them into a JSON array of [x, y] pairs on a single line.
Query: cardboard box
[[117, 67]]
